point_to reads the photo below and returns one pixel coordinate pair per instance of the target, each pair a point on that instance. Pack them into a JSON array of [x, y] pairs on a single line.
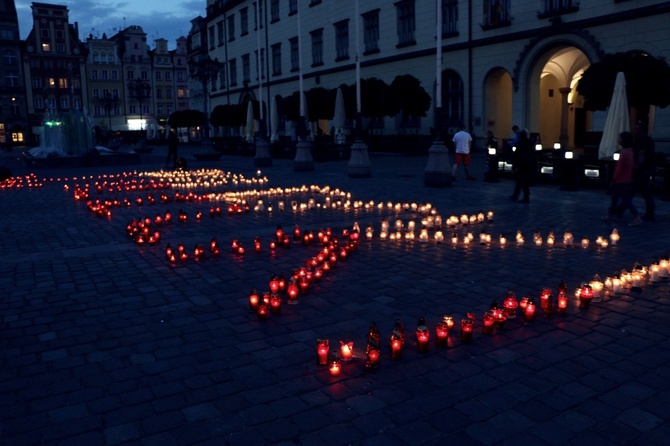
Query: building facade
[[505, 62], [53, 63], [13, 108], [104, 85]]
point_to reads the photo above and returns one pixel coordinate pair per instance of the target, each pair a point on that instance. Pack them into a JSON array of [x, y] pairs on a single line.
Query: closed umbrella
[[617, 120], [339, 117], [249, 130]]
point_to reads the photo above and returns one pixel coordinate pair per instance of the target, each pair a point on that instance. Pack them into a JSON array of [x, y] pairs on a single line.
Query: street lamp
[[204, 69]]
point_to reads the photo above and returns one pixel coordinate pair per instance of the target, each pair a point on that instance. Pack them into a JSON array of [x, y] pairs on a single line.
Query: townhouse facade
[[13, 107], [504, 62]]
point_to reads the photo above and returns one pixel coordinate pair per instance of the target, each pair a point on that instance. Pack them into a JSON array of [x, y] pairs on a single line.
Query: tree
[[647, 82], [376, 99], [409, 96], [320, 104], [186, 118]]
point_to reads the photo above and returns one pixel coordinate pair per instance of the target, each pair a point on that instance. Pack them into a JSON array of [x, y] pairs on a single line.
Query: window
[[34, 63], [96, 93], [94, 74], [371, 31], [496, 13], [449, 17], [11, 80], [46, 47], [553, 8], [44, 33], [59, 34], [52, 82], [132, 109], [246, 68], [9, 58], [295, 54], [233, 72], [37, 82], [342, 40], [62, 82], [181, 93], [231, 28], [452, 99], [115, 93], [145, 109], [130, 74], [260, 68], [115, 75], [244, 21], [144, 75], [159, 93], [211, 37], [96, 58], [159, 109], [168, 93], [64, 103], [222, 75], [168, 76], [159, 75], [276, 59], [60, 47], [39, 103], [97, 110], [274, 11], [180, 75], [317, 47], [219, 32], [406, 25], [48, 64], [105, 74], [292, 7], [169, 109]]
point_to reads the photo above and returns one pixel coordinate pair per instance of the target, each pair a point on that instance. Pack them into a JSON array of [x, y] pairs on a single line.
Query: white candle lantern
[[614, 237]]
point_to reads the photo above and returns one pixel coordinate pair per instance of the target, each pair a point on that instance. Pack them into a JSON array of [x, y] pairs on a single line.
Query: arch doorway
[[556, 110], [498, 103]]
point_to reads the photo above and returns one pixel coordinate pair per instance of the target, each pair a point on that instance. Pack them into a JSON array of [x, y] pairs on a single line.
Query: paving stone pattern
[[104, 342]]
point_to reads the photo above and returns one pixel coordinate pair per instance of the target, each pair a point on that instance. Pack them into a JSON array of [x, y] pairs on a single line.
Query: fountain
[[67, 140], [68, 134]]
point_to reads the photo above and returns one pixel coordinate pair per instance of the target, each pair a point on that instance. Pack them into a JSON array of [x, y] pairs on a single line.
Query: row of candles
[[19, 182], [205, 178], [315, 267]]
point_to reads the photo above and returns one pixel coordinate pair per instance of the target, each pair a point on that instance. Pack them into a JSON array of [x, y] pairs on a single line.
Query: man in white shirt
[[462, 140]]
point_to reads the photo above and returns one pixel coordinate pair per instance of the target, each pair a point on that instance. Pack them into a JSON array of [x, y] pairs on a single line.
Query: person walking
[[622, 181], [524, 166], [643, 149], [173, 143], [463, 141]]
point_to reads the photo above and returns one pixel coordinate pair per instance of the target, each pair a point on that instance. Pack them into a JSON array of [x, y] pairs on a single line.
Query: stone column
[[564, 139]]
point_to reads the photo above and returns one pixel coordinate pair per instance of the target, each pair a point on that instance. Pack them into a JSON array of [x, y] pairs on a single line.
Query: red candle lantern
[[279, 234], [168, 217], [529, 310], [257, 244], [510, 303], [303, 285], [562, 286], [332, 259], [306, 239], [170, 254], [422, 335], [262, 310], [318, 274], [585, 295], [240, 250], [296, 233], [199, 252], [286, 241], [522, 303], [346, 350], [272, 245], [472, 317], [441, 334], [254, 299], [499, 315], [488, 321], [467, 327], [274, 284], [293, 292], [214, 247], [372, 352], [343, 254], [234, 245], [198, 215], [562, 303], [546, 301], [335, 367], [275, 303], [322, 349], [282, 282], [397, 339]]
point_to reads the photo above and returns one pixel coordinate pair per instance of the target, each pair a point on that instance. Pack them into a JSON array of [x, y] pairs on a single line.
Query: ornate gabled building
[[13, 108], [504, 62], [53, 62]]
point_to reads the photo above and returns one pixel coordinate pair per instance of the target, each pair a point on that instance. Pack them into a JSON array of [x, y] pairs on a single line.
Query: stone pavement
[[104, 342]]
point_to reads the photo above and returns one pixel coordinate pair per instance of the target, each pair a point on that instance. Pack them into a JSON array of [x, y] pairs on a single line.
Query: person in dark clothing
[[523, 160], [173, 143], [643, 148]]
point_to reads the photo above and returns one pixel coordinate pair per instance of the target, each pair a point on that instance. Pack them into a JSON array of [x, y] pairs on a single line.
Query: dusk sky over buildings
[[166, 19]]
